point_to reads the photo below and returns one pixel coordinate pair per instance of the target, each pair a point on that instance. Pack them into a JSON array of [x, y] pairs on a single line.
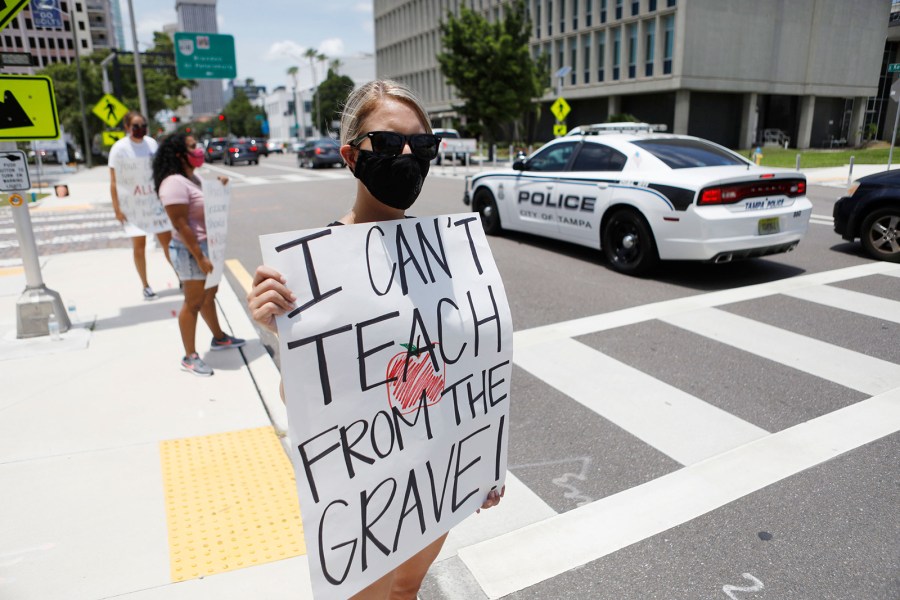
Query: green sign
[[204, 56], [894, 68]]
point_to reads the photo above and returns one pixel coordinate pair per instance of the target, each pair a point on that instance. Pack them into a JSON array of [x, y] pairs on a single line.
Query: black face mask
[[395, 181]]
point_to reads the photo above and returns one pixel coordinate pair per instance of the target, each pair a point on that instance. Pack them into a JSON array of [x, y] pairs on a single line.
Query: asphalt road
[[732, 450], [825, 529]]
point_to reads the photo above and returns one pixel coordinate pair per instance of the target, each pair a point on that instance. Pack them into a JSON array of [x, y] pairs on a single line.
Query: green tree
[[329, 99], [491, 69], [162, 87], [242, 118]]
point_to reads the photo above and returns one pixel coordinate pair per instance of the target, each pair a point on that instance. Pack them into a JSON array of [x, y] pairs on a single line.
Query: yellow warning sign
[[27, 108], [8, 10], [110, 110], [111, 137], [560, 109], [560, 129]]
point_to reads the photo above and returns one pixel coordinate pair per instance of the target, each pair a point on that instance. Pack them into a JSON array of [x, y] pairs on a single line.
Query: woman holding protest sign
[[181, 192], [388, 145], [131, 156]]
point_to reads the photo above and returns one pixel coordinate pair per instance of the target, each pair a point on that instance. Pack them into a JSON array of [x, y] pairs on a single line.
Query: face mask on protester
[[195, 157], [138, 131], [394, 181]]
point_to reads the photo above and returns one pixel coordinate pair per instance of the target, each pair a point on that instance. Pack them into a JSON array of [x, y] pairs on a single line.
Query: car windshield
[[686, 154], [329, 143]]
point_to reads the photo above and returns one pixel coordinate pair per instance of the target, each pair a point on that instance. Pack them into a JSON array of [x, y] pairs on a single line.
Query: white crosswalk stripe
[[725, 457]]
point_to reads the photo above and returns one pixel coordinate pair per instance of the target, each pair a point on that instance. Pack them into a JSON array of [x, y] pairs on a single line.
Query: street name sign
[[894, 68], [46, 14], [14, 172], [205, 56], [16, 59], [560, 109], [27, 108], [110, 110], [8, 10]]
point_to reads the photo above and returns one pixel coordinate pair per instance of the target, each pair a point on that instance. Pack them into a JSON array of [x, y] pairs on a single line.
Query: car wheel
[[880, 234], [486, 207], [628, 243]]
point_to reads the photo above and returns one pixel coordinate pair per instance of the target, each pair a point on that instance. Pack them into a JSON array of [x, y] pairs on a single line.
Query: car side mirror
[[520, 165]]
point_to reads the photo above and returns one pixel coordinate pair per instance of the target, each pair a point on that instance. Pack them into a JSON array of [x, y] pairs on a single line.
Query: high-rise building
[[50, 46], [199, 16], [117, 25], [727, 70]]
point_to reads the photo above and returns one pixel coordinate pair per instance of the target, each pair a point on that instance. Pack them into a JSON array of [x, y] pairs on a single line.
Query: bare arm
[[114, 194]]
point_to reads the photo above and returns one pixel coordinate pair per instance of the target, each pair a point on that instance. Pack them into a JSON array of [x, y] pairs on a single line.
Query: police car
[[641, 196]]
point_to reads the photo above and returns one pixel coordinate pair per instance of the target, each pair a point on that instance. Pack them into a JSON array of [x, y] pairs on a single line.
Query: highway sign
[[560, 109], [110, 110], [205, 56], [8, 10], [27, 108], [46, 14], [894, 68], [14, 171]]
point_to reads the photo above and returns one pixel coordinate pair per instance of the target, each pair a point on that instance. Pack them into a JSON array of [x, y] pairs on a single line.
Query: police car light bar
[[623, 127]]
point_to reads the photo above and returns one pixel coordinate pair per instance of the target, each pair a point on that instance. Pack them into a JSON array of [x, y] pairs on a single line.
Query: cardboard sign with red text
[[216, 200], [396, 360]]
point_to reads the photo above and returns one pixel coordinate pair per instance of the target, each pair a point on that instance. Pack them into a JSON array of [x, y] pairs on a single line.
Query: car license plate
[[768, 226]]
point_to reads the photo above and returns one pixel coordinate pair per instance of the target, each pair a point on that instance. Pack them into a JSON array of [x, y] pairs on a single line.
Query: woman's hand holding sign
[[493, 499], [269, 297]]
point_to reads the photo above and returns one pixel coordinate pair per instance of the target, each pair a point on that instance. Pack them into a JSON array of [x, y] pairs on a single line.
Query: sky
[[271, 35]]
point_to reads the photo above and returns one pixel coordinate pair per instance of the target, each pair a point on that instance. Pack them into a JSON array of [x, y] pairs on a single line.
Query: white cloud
[[148, 24], [364, 7], [332, 47], [285, 49]]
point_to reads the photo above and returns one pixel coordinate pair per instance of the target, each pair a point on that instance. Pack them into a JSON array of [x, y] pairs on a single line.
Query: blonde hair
[[129, 117], [365, 99]]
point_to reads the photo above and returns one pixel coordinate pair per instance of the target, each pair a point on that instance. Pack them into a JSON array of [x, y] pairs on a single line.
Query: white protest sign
[[396, 364], [216, 198], [137, 197]]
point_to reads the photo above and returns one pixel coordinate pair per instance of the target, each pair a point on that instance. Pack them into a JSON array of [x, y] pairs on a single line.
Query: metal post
[[84, 126], [107, 88], [798, 161], [893, 137], [850, 172], [138, 73]]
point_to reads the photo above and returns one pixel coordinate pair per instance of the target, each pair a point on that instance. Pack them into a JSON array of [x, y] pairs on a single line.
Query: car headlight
[[852, 189]]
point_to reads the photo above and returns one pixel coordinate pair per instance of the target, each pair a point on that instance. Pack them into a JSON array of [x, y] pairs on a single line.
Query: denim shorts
[[183, 261]]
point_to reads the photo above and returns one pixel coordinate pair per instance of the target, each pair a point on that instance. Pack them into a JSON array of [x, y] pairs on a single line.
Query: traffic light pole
[[138, 72]]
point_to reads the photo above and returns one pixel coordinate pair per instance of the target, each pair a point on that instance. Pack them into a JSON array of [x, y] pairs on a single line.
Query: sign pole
[[138, 72], [37, 302], [84, 126]]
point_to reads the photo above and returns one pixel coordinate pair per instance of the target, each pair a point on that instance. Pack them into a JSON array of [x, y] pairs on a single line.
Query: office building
[[95, 24], [737, 72], [199, 16]]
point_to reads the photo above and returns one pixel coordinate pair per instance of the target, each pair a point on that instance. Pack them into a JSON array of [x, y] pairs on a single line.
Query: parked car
[[871, 212], [453, 146], [241, 151], [323, 152], [215, 149], [643, 196]]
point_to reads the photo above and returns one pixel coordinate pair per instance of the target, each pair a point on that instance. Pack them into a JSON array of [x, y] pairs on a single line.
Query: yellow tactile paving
[[231, 502]]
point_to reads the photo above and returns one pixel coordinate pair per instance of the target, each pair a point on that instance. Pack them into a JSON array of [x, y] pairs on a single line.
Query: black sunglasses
[[137, 127], [390, 143]]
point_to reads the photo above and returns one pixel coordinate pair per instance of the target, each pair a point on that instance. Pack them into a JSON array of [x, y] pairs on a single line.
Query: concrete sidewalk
[[124, 476]]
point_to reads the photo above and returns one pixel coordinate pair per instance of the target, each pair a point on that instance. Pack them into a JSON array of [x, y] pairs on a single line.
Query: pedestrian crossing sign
[[27, 108], [110, 110], [8, 10], [111, 137]]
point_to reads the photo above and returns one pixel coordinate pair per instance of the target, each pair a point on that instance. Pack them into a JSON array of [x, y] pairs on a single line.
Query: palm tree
[[292, 71], [336, 65], [312, 55]]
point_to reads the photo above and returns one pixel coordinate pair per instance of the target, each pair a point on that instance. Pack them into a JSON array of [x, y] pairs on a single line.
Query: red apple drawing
[[406, 393]]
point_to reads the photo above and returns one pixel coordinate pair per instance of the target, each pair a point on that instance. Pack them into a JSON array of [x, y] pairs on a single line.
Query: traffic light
[[221, 117], [176, 119]]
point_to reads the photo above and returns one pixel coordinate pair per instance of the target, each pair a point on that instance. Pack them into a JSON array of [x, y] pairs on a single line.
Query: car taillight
[[253, 148], [210, 150], [731, 194], [319, 151], [232, 149]]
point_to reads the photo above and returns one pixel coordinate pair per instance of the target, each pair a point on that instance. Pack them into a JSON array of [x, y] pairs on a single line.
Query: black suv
[[871, 212]]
